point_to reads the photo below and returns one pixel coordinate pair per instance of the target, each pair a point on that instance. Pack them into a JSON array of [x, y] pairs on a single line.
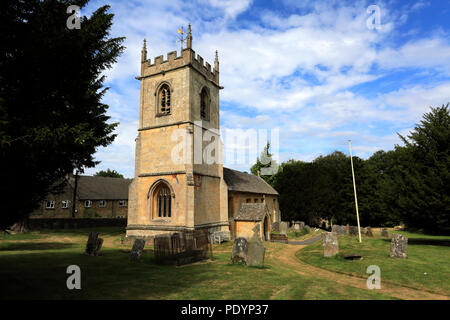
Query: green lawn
[[33, 266], [427, 266]]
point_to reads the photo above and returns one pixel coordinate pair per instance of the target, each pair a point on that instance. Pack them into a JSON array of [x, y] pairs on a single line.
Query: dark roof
[[102, 188], [245, 182], [251, 212]]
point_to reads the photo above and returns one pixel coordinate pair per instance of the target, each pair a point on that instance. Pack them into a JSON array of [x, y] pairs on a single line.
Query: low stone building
[[96, 197], [252, 221]]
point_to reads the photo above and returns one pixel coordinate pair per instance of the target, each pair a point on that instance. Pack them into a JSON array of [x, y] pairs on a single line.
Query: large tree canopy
[[51, 85]]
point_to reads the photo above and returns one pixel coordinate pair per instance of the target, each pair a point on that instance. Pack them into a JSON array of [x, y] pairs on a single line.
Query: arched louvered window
[[204, 104], [164, 99]]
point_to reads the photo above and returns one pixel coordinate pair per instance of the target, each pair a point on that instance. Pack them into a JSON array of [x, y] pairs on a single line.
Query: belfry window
[[163, 202], [204, 104], [164, 99]]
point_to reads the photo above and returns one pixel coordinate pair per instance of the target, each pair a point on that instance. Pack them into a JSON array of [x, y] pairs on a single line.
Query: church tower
[[178, 183]]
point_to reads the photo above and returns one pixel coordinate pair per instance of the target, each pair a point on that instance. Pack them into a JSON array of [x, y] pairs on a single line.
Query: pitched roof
[[251, 212], [102, 188], [244, 182]]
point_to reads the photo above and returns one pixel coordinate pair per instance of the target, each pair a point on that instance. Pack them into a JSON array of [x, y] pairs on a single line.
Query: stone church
[[181, 94]]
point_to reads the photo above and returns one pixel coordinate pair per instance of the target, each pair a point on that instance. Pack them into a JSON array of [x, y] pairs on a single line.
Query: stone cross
[[138, 247], [255, 256], [399, 246], [93, 245], [330, 244]]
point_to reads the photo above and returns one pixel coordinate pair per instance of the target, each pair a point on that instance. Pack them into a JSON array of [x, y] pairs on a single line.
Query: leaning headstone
[[384, 232], [255, 256], [368, 232], [240, 251], [138, 247], [353, 231], [399, 246], [330, 244], [283, 227], [93, 245]]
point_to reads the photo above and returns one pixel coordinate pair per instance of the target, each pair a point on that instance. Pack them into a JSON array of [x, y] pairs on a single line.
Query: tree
[[108, 173], [51, 85], [423, 176]]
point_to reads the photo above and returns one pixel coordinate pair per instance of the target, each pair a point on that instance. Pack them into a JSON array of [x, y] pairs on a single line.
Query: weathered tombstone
[[255, 256], [283, 227], [368, 232], [93, 245], [343, 230], [330, 244], [276, 227], [335, 228], [384, 232], [307, 228], [302, 225], [353, 230], [138, 247], [399, 246], [297, 226], [240, 251]]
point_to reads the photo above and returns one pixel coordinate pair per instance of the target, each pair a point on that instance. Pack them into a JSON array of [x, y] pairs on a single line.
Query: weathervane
[[181, 37]]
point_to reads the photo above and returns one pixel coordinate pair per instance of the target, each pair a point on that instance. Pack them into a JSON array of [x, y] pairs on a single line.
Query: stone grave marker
[[353, 230], [330, 244], [138, 248], [256, 252], [399, 246], [240, 251], [276, 227], [368, 232], [384, 232], [335, 228], [283, 227], [93, 245]]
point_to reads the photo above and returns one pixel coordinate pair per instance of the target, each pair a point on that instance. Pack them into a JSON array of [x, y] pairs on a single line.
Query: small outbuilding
[[253, 221]]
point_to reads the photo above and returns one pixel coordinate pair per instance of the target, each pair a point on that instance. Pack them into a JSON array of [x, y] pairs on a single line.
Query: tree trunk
[[20, 227]]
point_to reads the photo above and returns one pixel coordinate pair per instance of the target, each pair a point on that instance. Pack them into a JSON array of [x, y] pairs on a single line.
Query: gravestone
[[283, 227], [302, 225], [343, 230], [138, 247], [93, 245], [255, 256], [384, 232], [296, 226], [240, 251], [335, 228], [308, 229], [330, 244], [399, 246], [368, 232], [276, 227], [353, 231]]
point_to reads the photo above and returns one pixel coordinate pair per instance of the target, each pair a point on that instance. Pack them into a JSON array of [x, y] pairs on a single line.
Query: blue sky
[[313, 69]]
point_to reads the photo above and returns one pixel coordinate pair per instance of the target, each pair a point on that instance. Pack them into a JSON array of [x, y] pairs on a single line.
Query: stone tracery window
[[164, 99], [163, 199]]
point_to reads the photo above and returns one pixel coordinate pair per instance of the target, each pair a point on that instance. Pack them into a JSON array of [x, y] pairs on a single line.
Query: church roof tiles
[[245, 182]]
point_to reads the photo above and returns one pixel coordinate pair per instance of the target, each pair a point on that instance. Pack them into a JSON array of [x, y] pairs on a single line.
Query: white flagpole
[[354, 189]]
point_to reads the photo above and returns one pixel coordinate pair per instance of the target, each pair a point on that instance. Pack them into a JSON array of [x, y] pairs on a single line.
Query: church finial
[[144, 51], [189, 37], [216, 61]]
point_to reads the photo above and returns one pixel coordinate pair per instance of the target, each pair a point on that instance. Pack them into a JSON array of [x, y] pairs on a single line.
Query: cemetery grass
[[33, 266], [426, 267]]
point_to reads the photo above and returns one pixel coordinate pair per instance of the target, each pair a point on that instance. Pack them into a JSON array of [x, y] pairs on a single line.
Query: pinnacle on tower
[[189, 37], [144, 52], [216, 62]]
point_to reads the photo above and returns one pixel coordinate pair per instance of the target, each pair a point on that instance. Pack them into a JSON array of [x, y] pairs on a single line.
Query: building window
[[102, 203], [249, 200], [164, 99], [122, 203], [256, 200], [65, 204], [163, 202], [204, 104], [87, 203], [50, 204]]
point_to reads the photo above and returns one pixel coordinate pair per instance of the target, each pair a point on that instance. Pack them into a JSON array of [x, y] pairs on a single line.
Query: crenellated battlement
[[175, 61]]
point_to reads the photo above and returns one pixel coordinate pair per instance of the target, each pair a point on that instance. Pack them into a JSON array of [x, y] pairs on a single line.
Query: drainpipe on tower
[[74, 199]]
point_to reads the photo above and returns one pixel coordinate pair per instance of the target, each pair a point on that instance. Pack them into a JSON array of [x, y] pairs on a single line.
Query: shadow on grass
[[427, 242], [22, 246]]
